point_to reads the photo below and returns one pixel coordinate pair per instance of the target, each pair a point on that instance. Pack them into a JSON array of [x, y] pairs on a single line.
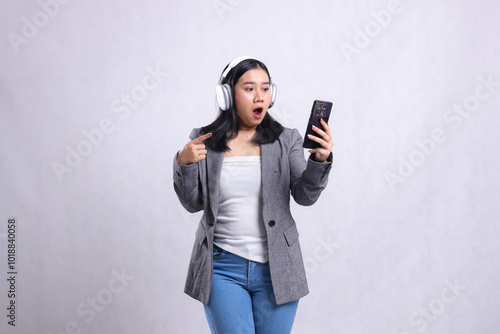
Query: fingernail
[[315, 127]]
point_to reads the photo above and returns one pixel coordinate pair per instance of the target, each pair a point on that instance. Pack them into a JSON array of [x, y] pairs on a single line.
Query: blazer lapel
[[269, 155], [214, 167]]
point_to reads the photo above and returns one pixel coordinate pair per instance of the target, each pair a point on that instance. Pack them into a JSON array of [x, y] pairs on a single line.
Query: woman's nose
[[259, 97]]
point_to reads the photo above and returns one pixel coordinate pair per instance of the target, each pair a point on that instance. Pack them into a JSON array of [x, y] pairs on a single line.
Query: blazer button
[[271, 223]]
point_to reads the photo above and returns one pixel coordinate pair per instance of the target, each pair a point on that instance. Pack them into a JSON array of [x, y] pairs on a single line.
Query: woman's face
[[252, 97]]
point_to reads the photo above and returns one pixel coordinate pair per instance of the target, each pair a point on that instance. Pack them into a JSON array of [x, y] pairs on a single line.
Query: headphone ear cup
[[274, 91], [224, 96]]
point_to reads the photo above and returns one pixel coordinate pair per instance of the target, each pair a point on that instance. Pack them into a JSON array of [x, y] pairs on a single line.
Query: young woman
[[246, 265]]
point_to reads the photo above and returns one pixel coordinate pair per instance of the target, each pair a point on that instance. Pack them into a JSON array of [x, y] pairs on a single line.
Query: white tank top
[[240, 228]]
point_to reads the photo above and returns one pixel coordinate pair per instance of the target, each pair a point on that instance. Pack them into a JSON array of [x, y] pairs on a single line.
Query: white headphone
[[224, 92]]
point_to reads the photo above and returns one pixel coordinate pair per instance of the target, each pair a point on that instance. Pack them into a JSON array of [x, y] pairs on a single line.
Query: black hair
[[225, 126]]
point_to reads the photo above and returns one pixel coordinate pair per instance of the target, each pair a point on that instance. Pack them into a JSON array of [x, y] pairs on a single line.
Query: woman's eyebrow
[[253, 83]]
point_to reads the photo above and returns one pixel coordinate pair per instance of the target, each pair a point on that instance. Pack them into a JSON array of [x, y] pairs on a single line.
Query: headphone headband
[[236, 62]]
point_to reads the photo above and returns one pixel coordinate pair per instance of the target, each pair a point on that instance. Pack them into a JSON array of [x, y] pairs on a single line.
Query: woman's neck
[[246, 133], [242, 144]]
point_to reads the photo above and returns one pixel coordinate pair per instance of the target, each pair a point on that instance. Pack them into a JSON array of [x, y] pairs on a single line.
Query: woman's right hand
[[194, 151]]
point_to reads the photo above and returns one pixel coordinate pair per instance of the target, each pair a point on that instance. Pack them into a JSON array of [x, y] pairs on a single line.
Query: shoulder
[[288, 140], [290, 135], [195, 133]]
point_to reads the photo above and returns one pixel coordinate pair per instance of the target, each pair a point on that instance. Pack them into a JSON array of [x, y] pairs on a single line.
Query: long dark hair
[[225, 125]]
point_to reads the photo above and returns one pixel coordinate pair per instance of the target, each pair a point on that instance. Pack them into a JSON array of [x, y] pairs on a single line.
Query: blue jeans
[[242, 298]]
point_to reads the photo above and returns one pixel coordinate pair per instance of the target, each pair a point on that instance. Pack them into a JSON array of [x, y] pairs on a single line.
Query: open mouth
[[257, 112]]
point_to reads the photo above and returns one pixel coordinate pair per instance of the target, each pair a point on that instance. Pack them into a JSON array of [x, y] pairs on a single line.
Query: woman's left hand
[[325, 140]]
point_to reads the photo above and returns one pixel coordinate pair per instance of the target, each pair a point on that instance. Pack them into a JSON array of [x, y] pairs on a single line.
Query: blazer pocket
[[291, 235]]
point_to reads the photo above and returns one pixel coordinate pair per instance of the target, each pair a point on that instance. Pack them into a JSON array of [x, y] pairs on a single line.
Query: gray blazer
[[284, 172]]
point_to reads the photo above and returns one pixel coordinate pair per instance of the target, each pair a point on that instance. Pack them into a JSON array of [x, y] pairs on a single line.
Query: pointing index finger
[[201, 138]]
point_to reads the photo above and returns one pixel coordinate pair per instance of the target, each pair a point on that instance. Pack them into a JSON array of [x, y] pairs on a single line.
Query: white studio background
[[97, 97]]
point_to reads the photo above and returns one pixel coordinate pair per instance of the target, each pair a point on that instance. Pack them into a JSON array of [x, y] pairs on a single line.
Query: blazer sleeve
[[307, 178], [187, 183]]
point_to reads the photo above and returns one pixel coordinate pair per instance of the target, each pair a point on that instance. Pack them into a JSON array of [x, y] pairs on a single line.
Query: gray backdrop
[[96, 98]]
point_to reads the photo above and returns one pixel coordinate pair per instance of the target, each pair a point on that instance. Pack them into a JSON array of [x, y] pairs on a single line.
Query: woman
[[246, 266]]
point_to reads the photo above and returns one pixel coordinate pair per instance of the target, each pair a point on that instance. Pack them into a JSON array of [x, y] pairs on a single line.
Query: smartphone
[[320, 110]]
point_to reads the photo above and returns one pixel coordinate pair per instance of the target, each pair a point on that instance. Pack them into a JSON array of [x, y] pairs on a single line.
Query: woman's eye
[[248, 89], [265, 89]]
